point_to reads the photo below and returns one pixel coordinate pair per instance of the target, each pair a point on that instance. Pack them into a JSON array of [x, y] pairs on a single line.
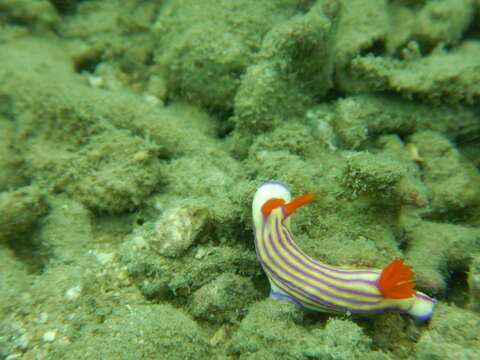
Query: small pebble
[[49, 336], [177, 229]]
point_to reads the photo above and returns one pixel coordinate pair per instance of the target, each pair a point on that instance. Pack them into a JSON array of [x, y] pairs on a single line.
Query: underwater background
[[134, 134]]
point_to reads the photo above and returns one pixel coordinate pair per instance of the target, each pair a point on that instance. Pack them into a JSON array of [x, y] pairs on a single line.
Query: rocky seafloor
[[133, 135]]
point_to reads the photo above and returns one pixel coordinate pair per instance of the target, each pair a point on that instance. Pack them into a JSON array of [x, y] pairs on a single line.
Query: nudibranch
[[314, 285]]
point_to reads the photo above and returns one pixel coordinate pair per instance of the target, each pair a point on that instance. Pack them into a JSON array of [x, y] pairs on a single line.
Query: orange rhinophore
[[297, 202], [290, 207], [270, 205], [396, 280]]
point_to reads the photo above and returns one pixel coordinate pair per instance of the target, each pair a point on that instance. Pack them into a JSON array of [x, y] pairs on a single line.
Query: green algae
[[202, 51], [153, 331], [271, 331], [116, 114]]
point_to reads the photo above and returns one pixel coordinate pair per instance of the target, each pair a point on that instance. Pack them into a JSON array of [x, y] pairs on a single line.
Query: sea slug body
[[313, 285]]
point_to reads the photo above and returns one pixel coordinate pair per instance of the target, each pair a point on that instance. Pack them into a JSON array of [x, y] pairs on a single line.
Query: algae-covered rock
[[345, 340], [383, 30], [193, 274], [450, 76], [205, 46], [139, 331], [271, 330], [19, 211], [474, 283], [452, 335], [214, 185], [358, 118], [429, 22], [160, 277], [111, 42], [225, 299], [386, 175], [36, 15], [439, 249], [67, 230], [65, 145], [376, 175], [361, 26], [294, 67], [10, 162], [452, 181], [14, 278], [116, 174]]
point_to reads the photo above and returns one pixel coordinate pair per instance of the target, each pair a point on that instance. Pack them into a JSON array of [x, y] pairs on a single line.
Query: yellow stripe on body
[[284, 259], [303, 300], [318, 271], [303, 279], [278, 285]]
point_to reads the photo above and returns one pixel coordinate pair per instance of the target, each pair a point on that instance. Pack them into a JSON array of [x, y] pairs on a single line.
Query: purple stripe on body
[[274, 183], [292, 295], [294, 291], [323, 304], [322, 265], [301, 293], [425, 297], [421, 318], [280, 296], [294, 270], [316, 270], [267, 269], [319, 301]]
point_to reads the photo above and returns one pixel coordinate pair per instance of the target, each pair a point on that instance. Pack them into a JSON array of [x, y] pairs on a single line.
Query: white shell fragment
[[49, 336], [177, 229]]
